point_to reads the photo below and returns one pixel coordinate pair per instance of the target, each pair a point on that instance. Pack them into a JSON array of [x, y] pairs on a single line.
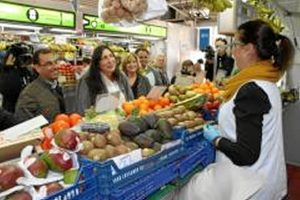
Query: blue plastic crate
[[147, 185], [210, 115], [111, 177], [188, 138], [202, 154], [86, 187]]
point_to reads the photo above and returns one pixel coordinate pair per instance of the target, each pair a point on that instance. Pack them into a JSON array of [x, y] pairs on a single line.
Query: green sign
[[36, 15], [94, 23]]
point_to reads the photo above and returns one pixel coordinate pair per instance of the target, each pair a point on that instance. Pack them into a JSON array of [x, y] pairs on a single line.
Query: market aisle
[[293, 182]]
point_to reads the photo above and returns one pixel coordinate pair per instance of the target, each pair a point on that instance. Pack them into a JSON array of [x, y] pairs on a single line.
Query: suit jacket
[[38, 98]]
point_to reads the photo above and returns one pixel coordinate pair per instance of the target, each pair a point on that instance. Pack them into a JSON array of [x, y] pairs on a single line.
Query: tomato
[[63, 117], [216, 104], [59, 125], [75, 118], [208, 105]]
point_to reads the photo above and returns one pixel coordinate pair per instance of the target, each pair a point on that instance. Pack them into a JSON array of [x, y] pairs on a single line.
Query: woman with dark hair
[[250, 156], [104, 76], [140, 85]]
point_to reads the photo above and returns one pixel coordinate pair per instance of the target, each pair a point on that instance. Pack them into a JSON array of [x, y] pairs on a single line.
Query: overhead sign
[[93, 23], [35, 15]]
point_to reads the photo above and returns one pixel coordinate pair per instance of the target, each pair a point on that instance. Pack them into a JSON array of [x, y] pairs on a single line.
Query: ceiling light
[[60, 30], [20, 26]]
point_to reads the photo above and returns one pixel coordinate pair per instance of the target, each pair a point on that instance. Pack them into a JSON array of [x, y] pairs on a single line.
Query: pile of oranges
[[207, 87], [144, 105]]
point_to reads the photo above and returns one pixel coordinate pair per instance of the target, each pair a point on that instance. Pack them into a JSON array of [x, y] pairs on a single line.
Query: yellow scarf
[[263, 70]]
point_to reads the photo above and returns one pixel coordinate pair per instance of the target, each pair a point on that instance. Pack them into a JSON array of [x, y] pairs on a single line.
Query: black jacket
[[12, 81], [6, 119]]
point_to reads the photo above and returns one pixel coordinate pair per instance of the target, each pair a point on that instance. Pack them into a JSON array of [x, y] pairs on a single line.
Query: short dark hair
[[262, 35], [141, 49], [36, 55], [222, 40]]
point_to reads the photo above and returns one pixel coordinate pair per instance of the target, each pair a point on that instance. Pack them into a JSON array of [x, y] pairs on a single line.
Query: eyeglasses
[[237, 43]]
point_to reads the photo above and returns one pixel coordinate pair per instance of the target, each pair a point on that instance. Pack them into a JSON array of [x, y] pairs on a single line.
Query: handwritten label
[[184, 80], [156, 92], [125, 160], [23, 128], [107, 102]]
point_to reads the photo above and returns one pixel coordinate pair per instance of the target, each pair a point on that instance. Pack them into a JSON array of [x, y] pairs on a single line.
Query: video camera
[[22, 52], [209, 53]]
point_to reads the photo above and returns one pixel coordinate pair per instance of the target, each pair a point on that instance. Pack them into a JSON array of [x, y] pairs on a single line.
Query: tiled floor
[[293, 182]]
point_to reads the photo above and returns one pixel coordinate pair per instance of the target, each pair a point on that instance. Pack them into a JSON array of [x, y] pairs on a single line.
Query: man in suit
[[43, 96]]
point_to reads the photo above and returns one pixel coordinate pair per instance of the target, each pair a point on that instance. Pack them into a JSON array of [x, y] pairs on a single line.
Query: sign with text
[[156, 92], [93, 23], [107, 102], [35, 15]]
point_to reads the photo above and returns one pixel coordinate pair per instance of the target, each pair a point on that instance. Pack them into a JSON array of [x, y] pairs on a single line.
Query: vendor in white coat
[[250, 160]]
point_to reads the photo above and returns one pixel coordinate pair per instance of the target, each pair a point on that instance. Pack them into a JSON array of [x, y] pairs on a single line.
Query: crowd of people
[[250, 159]]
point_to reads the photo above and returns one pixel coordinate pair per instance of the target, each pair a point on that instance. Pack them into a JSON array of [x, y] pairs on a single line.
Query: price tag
[[23, 128], [170, 144], [125, 160], [184, 80], [107, 102], [156, 92]]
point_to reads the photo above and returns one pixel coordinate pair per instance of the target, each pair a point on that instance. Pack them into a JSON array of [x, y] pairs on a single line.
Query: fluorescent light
[[5, 25], [60, 30]]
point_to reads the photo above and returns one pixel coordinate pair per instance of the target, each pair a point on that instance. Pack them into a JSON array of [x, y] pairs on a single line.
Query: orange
[[144, 106], [59, 125], [152, 103], [157, 107], [143, 112], [75, 118], [136, 102], [215, 90], [142, 98], [164, 101], [63, 117], [128, 107]]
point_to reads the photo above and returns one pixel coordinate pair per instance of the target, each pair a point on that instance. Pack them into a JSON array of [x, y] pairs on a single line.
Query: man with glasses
[[43, 96], [224, 61]]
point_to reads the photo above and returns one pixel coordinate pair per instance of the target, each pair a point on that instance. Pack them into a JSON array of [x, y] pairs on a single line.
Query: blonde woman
[[140, 84]]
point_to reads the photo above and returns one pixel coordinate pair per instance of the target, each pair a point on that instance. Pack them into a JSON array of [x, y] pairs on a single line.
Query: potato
[[116, 4], [107, 4]]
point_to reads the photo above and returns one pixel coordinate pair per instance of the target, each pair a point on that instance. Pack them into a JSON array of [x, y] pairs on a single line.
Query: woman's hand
[[211, 133]]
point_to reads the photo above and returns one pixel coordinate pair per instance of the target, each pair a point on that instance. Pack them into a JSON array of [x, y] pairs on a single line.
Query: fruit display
[[67, 139], [265, 12], [62, 47], [19, 195], [118, 10], [214, 5], [57, 160], [142, 105], [100, 147], [36, 166], [180, 116], [8, 176], [68, 72], [3, 45]]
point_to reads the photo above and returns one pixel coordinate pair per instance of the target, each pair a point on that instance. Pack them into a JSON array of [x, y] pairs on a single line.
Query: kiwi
[[114, 139], [122, 149], [111, 151], [87, 146], [97, 154], [100, 141]]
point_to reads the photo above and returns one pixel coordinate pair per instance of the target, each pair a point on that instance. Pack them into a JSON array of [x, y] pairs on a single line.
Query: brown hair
[[36, 55], [128, 59]]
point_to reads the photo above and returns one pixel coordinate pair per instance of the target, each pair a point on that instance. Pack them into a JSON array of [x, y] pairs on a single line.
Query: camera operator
[[209, 63], [15, 74]]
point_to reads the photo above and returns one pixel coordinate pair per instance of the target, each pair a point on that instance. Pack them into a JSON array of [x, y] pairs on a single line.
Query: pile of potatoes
[[100, 147], [117, 10]]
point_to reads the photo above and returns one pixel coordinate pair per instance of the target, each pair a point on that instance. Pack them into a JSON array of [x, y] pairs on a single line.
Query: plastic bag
[[130, 12]]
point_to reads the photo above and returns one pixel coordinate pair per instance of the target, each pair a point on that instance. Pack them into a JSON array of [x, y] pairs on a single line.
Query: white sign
[[107, 102], [23, 128], [125, 160], [156, 92]]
